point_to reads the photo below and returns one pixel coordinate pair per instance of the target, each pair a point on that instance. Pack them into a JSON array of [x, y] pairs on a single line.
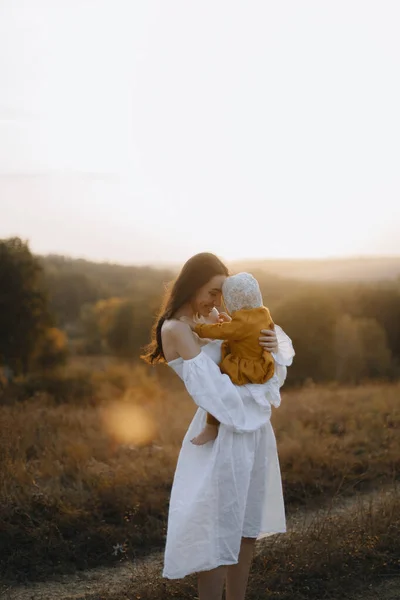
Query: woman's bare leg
[[210, 584], [238, 575]]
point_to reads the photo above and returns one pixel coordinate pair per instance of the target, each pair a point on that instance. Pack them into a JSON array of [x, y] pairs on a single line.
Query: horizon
[[163, 264]]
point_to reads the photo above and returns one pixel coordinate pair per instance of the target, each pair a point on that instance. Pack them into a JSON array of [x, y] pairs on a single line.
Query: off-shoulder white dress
[[229, 487]]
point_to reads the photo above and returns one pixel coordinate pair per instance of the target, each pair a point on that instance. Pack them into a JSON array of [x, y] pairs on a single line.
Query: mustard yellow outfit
[[243, 359]]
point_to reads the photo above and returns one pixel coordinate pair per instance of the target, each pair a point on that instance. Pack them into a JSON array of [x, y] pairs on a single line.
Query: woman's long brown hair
[[195, 273]]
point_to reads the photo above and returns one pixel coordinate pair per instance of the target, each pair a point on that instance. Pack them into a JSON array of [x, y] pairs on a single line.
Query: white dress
[[229, 487]]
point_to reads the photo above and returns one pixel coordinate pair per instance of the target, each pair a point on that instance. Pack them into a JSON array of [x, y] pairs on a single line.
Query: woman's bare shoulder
[[169, 331], [171, 328], [178, 340]]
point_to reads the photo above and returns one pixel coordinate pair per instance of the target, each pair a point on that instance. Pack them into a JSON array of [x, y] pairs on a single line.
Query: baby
[[242, 357]]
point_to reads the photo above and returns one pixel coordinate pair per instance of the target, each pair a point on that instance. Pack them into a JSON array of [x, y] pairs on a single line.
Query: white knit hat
[[241, 291]]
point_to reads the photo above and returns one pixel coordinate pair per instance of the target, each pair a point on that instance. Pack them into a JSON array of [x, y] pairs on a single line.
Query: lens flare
[[128, 424]]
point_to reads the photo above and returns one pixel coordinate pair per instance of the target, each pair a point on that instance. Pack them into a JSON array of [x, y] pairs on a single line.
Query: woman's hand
[[269, 340]]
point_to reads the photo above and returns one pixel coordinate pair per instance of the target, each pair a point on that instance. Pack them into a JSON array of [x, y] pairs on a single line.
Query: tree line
[[53, 305]]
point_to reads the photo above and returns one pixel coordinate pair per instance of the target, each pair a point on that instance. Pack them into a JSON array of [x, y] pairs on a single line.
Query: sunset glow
[[146, 132]]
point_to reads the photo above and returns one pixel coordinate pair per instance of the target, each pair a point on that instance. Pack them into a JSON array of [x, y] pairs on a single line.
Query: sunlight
[[128, 424], [156, 145]]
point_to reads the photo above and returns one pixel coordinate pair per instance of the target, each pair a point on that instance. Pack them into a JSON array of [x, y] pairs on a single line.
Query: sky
[[144, 132]]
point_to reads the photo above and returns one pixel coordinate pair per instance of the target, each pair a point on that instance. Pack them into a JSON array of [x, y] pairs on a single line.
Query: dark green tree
[[309, 319], [68, 292], [24, 314], [121, 338]]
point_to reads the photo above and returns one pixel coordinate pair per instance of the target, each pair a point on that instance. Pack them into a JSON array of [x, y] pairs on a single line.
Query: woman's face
[[209, 296]]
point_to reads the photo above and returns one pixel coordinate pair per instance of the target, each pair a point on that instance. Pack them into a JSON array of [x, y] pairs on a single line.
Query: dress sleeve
[[286, 352], [215, 393]]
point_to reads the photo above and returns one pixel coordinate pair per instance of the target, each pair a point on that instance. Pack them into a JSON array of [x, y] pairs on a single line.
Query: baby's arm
[[219, 331]]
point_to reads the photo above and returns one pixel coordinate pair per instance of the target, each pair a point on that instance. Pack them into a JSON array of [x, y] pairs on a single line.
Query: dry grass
[[335, 439], [70, 491], [335, 556]]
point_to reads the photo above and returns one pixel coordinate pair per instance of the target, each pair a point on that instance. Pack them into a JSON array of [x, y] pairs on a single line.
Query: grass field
[[85, 479], [336, 554]]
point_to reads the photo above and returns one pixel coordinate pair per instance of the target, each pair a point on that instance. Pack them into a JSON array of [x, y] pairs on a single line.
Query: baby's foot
[[209, 433]]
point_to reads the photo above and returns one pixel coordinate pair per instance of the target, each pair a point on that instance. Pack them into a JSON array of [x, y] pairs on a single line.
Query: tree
[[377, 355], [24, 314], [118, 326], [349, 357], [97, 321], [121, 337], [52, 349], [68, 292], [361, 349], [309, 319]]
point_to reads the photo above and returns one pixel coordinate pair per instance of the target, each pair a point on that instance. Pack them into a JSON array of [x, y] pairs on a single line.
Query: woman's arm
[[210, 389], [215, 393]]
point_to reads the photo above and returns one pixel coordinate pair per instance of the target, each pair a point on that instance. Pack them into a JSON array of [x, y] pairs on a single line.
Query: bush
[[62, 388], [52, 350]]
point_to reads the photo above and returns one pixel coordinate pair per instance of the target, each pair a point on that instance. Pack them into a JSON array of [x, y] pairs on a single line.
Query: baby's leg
[[209, 432]]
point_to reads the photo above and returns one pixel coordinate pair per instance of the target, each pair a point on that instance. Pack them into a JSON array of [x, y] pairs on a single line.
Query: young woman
[[226, 493]]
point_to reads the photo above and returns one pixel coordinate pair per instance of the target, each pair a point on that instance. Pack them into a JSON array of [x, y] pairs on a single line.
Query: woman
[[226, 493]]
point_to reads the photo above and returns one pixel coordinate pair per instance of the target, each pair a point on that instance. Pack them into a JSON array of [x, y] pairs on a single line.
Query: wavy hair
[[195, 273]]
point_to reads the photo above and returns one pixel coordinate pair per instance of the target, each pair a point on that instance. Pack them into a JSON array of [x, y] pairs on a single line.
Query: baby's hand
[[224, 317]]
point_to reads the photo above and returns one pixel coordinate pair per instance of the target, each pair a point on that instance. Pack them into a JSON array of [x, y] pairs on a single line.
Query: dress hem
[[223, 563], [208, 568]]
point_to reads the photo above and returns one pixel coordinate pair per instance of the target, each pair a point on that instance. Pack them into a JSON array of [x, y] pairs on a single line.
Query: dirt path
[[94, 583]]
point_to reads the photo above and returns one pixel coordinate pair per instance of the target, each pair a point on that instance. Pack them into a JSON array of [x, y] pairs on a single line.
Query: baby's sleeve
[[218, 331]]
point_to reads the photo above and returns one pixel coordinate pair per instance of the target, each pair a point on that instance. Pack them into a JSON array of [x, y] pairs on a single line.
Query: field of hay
[[86, 471]]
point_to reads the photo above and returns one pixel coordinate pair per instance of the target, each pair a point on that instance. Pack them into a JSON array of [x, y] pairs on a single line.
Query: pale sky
[[142, 131]]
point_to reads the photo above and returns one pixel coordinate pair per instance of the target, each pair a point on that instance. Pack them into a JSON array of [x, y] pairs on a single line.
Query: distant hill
[[334, 269]]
